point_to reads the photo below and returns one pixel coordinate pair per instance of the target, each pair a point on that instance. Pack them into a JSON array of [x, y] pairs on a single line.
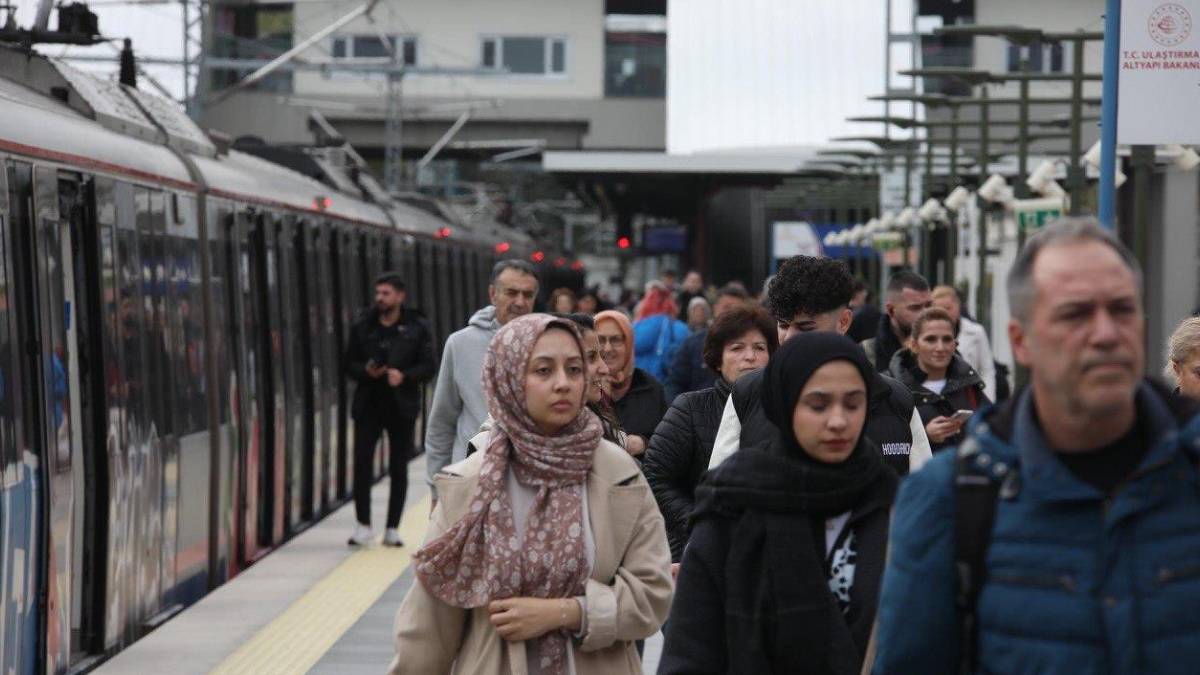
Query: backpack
[[975, 496]]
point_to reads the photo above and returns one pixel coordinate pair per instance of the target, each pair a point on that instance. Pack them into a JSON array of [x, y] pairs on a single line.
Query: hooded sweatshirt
[[459, 407]]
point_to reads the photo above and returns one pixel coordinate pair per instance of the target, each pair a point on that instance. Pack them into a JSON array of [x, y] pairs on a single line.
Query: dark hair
[[907, 279], [584, 321], [929, 316], [734, 291], [734, 324], [513, 264], [808, 285], [857, 286], [562, 291], [390, 278]]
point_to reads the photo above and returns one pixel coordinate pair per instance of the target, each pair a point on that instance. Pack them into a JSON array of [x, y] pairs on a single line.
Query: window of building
[[1043, 58], [525, 55], [258, 31], [635, 64], [373, 47]]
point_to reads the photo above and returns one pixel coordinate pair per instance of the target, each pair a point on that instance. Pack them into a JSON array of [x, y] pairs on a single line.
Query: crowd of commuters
[[799, 483]]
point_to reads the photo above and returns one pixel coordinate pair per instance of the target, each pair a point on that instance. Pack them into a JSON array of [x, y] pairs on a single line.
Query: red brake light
[[443, 232], [503, 247], [559, 262], [577, 265], [623, 242], [322, 203], [538, 256]]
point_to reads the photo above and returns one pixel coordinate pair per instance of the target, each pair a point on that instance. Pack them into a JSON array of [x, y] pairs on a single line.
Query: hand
[[941, 428], [675, 571], [520, 619], [376, 372], [635, 445], [395, 377]]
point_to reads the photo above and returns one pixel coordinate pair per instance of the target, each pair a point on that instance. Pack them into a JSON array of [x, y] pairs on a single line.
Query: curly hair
[[732, 325], [808, 285]]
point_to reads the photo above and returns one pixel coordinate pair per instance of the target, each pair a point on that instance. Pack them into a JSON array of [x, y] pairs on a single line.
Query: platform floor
[[313, 606]]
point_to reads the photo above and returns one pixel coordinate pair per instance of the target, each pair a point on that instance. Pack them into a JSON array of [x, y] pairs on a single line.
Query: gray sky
[[155, 28]]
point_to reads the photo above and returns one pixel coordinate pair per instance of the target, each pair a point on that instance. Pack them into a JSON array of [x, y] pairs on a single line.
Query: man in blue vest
[[1063, 535]]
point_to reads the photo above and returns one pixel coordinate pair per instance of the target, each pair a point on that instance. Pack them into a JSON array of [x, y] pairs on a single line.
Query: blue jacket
[[655, 340], [688, 372], [1076, 583]]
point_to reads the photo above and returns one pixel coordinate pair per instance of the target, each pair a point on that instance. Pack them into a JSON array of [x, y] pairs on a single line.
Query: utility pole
[[393, 128]]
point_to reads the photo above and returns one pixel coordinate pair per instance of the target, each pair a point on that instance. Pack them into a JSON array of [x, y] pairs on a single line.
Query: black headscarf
[[791, 367], [776, 586]]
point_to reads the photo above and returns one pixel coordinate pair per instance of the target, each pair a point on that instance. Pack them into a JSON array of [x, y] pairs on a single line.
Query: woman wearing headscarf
[[782, 571], [546, 553], [636, 395]]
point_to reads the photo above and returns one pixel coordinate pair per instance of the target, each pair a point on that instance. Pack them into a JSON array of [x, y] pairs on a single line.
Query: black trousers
[[400, 445]]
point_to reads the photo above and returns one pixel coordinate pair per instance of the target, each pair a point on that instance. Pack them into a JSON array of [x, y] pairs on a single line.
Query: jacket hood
[[485, 319]]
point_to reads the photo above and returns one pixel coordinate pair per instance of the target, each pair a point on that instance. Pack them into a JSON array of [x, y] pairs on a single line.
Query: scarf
[[621, 374], [479, 558], [780, 614]]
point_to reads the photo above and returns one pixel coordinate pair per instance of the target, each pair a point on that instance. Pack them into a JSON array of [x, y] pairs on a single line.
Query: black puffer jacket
[[406, 346], [890, 413], [642, 407], [678, 455], [963, 391]]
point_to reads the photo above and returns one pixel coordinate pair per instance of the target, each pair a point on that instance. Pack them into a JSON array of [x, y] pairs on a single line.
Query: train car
[[172, 319]]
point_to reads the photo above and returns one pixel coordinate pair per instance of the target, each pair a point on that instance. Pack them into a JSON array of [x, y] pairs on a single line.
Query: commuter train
[[172, 315]]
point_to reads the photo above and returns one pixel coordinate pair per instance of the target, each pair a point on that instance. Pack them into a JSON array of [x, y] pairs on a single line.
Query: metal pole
[[954, 145], [1076, 178], [1143, 167], [187, 59], [981, 299], [393, 138], [1108, 113], [1022, 190]]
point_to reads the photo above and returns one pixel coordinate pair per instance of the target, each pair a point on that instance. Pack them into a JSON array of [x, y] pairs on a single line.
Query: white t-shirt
[[936, 386]]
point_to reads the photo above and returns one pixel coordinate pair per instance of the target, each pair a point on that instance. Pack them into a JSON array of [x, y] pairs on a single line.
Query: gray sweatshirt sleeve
[[443, 417]]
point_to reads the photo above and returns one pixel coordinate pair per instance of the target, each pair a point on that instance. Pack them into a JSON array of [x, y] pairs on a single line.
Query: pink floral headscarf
[[479, 558]]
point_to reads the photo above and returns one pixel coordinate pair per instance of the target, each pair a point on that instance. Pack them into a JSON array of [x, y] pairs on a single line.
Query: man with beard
[[390, 355], [907, 296]]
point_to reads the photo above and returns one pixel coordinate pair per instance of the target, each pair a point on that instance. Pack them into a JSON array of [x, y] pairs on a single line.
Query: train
[[173, 312]]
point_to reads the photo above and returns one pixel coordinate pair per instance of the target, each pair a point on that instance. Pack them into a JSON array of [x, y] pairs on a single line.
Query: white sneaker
[[391, 537], [363, 536]]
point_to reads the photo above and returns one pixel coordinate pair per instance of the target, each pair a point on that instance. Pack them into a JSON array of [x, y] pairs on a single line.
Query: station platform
[[313, 606]]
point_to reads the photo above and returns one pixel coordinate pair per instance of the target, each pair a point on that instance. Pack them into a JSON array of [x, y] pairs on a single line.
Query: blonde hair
[[940, 292], [1183, 343]]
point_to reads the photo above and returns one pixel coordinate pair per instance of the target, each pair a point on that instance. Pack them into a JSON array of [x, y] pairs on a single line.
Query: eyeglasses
[[614, 341]]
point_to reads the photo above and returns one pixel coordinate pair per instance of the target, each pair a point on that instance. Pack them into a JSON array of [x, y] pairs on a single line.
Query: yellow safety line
[[296, 639]]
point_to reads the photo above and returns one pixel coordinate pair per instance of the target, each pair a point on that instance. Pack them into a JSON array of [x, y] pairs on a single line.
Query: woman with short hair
[[545, 554], [740, 341], [943, 385], [1183, 358]]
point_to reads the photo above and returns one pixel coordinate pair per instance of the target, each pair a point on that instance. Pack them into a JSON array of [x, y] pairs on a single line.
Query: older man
[[1063, 535], [458, 404]]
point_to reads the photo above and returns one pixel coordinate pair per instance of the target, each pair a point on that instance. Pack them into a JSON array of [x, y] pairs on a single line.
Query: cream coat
[[628, 594]]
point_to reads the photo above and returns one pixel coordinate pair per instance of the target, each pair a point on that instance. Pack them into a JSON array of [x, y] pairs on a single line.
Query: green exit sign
[[1033, 214]]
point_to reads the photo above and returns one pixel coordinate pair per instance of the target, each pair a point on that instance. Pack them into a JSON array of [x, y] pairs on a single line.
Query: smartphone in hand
[[962, 415]]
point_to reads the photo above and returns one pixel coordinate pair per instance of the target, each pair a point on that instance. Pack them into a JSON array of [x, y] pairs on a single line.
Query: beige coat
[[628, 594]]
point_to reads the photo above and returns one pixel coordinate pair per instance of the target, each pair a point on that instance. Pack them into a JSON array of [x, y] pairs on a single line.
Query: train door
[[224, 523], [349, 296], [21, 485], [272, 471], [313, 322], [326, 322], [48, 272], [289, 247]]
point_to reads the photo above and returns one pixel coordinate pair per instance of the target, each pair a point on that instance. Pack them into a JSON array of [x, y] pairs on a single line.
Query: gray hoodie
[[459, 406]]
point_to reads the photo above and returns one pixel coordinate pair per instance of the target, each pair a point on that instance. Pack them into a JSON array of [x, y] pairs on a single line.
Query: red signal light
[[443, 232], [322, 203], [577, 265], [538, 256], [503, 247], [623, 242], [559, 262]]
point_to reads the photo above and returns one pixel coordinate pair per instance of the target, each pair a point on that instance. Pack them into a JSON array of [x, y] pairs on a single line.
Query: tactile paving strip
[[296, 639]]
